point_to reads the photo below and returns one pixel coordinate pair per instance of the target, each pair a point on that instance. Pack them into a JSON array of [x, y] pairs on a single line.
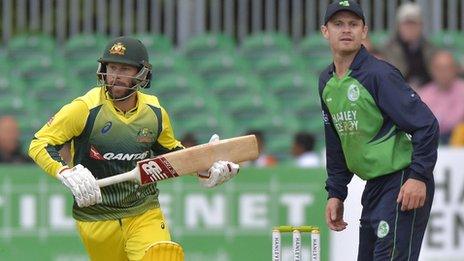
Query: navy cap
[[338, 6]]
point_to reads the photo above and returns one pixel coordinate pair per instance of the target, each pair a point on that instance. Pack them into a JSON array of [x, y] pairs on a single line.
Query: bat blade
[[190, 160]]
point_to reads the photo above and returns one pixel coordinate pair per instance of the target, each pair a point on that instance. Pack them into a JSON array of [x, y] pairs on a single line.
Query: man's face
[[345, 32], [9, 135], [119, 78], [410, 31], [443, 69]]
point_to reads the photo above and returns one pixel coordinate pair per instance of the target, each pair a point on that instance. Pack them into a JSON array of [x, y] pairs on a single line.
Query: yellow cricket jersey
[[107, 142]]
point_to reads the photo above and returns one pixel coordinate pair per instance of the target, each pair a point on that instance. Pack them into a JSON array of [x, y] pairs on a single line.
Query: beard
[[119, 90]]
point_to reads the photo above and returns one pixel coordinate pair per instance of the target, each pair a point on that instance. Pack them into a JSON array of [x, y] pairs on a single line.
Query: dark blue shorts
[[386, 232]]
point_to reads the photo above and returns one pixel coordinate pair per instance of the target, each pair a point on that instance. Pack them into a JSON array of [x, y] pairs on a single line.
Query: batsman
[[376, 127], [110, 128]]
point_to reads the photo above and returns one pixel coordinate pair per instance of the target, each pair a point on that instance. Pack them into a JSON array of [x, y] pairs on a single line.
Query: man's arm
[[399, 102], [338, 175], [61, 128], [166, 141]]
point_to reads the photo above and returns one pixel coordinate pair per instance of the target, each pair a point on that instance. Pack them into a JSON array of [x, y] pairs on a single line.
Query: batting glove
[[82, 184], [220, 172]]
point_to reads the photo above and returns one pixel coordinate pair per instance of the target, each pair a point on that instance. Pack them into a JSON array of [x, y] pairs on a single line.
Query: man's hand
[[334, 214], [412, 194], [82, 184], [220, 172]]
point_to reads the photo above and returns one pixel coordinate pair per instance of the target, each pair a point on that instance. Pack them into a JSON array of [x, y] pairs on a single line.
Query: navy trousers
[[386, 232]]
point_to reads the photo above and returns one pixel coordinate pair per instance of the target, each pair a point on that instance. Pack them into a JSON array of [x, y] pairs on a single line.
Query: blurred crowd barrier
[[230, 222]]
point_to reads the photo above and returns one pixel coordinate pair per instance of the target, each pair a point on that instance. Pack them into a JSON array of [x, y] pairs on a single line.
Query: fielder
[[376, 127], [111, 128]]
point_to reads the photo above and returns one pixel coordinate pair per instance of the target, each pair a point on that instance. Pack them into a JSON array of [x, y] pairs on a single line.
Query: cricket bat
[[187, 161]]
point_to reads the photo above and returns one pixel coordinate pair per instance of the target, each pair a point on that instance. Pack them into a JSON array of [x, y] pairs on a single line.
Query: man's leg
[[399, 233], [366, 241], [144, 230], [367, 236], [164, 250], [103, 240]]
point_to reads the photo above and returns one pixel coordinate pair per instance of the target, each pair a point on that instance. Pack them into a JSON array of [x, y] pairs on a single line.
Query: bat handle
[[130, 175]]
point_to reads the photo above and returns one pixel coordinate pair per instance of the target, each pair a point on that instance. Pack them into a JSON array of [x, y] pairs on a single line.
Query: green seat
[[251, 110], [84, 47], [279, 135], [11, 85], [198, 115], [258, 46], [451, 40], [273, 67], [15, 105], [318, 64], [34, 69], [175, 88], [30, 46], [459, 56], [156, 44], [278, 132], [85, 71], [379, 38], [314, 46], [202, 128], [234, 87], [53, 92], [219, 65], [290, 89], [309, 116], [4, 65], [55, 87], [168, 64], [200, 47]]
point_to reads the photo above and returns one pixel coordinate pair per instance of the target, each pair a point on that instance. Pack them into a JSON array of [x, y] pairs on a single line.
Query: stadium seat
[[250, 110], [379, 38], [84, 47], [199, 116], [451, 40], [219, 65], [319, 64], [30, 46], [175, 88], [200, 47], [291, 88], [85, 71], [11, 85], [273, 67], [168, 64], [232, 88], [202, 128], [34, 69], [4, 65], [314, 46], [258, 46], [51, 93], [15, 105], [278, 130], [156, 44]]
